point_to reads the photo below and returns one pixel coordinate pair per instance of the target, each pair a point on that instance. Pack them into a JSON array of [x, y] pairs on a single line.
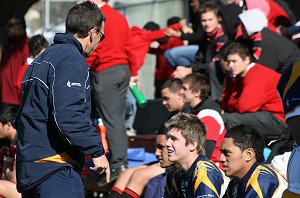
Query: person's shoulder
[[262, 70], [208, 167], [265, 174]]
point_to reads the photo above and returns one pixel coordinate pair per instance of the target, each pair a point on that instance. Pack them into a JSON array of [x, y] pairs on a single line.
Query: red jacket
[[142, 39], [277, 15], [163, 70], [13, 57], [20, 78], [116, 48], [254, 92]]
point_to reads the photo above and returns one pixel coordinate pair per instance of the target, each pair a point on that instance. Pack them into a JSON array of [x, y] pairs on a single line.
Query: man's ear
[[249, 154], [193, 146]]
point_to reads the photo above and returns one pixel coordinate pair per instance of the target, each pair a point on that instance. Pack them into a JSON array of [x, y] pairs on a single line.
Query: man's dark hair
[[198, 82], [36, 44], [82, 18], [238, 48], [8, 113], [173, 84], [151, 26], [245, 137], [173, 20], [209, 6], [162, 130]]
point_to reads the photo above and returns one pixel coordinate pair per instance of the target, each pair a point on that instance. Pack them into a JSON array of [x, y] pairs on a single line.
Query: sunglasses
[[102, 36]]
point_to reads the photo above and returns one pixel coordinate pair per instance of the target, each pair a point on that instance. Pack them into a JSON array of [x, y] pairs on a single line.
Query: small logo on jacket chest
[[73, 84]]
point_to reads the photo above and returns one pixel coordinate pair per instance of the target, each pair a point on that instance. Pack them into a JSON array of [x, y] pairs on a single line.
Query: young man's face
[[189, 95], [172, 101], [176, 145], [209, 21], [232, 159], [161, 151], [236, 65], [3, 130]]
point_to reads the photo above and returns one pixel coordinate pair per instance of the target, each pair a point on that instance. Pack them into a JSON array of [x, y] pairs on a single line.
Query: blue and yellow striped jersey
[[261, 181], [288, 88], [202, 179]]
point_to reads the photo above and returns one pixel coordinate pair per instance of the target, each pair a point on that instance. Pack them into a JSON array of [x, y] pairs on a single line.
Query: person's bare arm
[[141, 177]]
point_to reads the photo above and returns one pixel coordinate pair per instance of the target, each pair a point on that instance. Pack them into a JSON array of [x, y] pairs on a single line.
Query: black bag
[[283, 144]]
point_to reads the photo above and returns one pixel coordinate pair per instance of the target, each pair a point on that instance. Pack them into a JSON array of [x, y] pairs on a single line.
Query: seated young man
[[196, 89], [8, 164], [199, 176], [172, 96], [288, 88], [133, 180], [207, 57], [242, 157], [249, 96]]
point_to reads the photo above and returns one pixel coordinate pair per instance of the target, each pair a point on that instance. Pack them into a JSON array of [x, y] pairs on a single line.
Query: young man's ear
[[193, 146], [249, 154], [248, 59]]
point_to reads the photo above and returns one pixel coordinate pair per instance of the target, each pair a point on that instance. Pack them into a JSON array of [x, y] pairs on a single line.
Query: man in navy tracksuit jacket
[[54, 128]]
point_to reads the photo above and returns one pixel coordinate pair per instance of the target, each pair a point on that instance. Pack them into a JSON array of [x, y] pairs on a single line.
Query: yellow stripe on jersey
[[201, 175], [294, 75], [59, 158], [253, 181]]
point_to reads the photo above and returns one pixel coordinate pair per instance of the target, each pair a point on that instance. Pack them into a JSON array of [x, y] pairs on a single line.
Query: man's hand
[[101, 165], [134, 79], [171, 32], [181, 72]]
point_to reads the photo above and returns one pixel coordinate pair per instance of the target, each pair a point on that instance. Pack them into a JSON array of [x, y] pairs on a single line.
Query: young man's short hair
[[198, 82], [36, 44], [8, 113], [82, 18], [152, 26], [209, 6], [238, 48], [191, 128], [174, 85], [245, 137], [162, 130]]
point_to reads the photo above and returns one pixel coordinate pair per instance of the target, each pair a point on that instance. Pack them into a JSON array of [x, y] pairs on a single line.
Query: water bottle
[[139, 97]]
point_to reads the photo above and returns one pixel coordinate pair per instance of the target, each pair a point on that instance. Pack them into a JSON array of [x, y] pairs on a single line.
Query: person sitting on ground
[[199, 177], [288, 88], [249, 96], [131, 182], [196, 89], [136, 178], [8, 171], [242, 158]]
